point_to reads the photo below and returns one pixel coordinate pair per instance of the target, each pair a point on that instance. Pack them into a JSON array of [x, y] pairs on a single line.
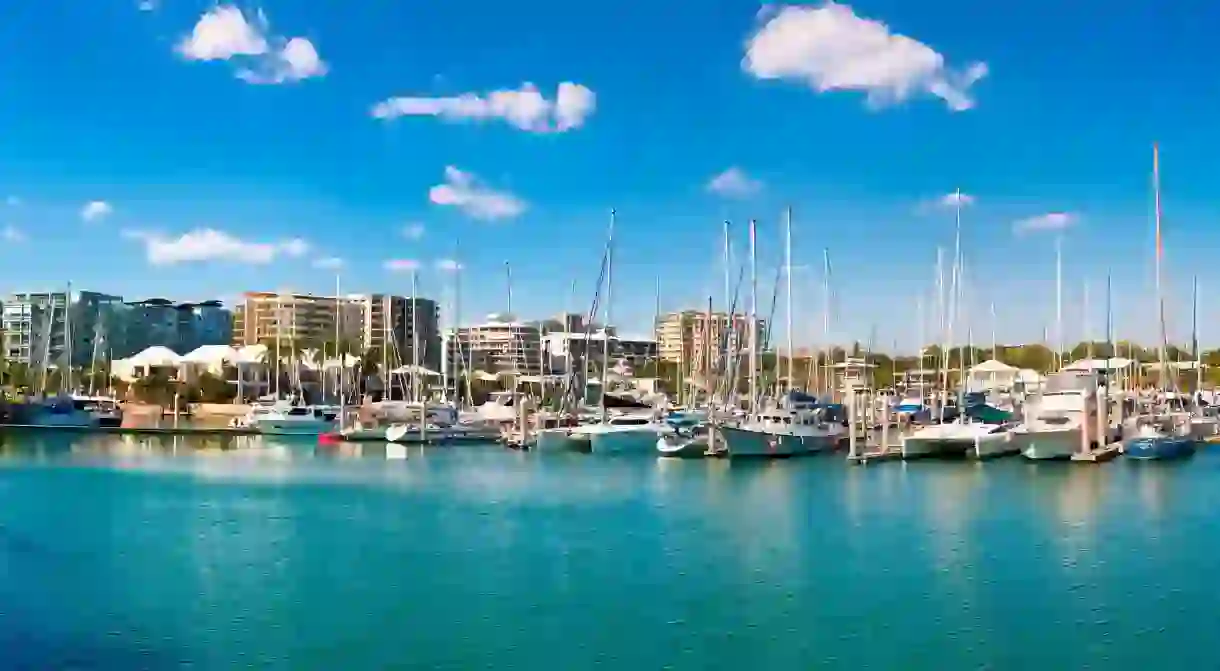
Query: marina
[[278, 548], [785, 336]]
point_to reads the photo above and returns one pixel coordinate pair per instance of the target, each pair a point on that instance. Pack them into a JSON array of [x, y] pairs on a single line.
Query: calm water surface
[[138, 553]]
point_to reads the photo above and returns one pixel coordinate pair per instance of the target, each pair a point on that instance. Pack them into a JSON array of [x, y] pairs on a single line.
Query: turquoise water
[[147, 554]]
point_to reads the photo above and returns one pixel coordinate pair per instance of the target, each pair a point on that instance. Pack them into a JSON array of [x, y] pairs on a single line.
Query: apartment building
[[38, 325], [303, 319], [500, 344], [181, 327], [372, 322], [583, 348], [684, 337], [393, 322]]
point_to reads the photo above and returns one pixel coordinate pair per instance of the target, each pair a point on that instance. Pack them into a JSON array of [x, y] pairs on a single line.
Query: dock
[[876, 453], [136, 430], [1098, 455]]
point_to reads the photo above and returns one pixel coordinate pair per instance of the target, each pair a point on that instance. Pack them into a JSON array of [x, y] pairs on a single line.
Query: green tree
[[156, 389], [209, 388]]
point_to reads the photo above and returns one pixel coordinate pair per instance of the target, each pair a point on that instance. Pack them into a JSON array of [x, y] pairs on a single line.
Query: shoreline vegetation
[[210, 390], [888, 368]]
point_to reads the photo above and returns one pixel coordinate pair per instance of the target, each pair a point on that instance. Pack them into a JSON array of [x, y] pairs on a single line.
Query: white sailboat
[[782, 430]]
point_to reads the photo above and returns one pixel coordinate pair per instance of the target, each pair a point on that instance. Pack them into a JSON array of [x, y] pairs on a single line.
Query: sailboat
[[1158, 435], [971, 439], [789, 428], [634, 433], [62, 409]]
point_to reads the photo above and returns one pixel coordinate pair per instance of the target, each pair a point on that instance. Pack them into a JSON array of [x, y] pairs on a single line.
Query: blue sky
[[241, 146]]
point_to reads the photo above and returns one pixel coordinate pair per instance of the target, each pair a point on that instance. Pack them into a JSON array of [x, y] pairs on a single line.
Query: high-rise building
[[301, 320], [181, 327], [684, 337], [396, 320], [370, 322], [499, 345], [41, 327]]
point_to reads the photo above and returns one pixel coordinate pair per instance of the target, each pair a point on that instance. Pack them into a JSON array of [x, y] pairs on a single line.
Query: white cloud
[[96, 210], [296, 61], [465, 192], [449, 265], [830, 48], [1054, 221], [400, 265], [328, 263], [954, 199], [524, 108], [413, 231], [222, 33], [11, 233], [147, 5], [208, 244], [296, 247], [734, 183], [225, 33]]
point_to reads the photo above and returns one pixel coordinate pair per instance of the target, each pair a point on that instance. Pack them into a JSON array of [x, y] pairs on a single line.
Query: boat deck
[[137, 430], [891, 453], [1098, 455]]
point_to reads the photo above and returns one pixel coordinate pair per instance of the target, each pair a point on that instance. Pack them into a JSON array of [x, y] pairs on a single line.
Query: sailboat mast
[[609, 314], [68, 338], [788, 268], [1059, 302], [1088, 324], [954, 285], [1156, 190], [415, 386], [723, 357], [994, 353], [340, 355], [919, 333], [1194, 335], [753, 322], [826, 316], [942, 312], [387, 306], [279, 331]]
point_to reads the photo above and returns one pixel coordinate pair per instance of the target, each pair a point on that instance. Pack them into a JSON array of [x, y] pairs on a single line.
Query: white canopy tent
[[993, 374], [1029, 376], [1095, 365], [156, 356], [210, 355], [145, 363]]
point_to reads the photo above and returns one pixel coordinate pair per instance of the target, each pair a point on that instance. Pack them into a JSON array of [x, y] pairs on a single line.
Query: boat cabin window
[[297, 412], [629, 421]]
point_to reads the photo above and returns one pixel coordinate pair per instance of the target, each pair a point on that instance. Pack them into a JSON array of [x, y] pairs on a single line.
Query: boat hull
[[945, 444], [1148, 449], [275, 427], [742, 442], [1048, 445], [632, 441], [682, 447], [558, 440], [1202, 428], [75, 418]]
